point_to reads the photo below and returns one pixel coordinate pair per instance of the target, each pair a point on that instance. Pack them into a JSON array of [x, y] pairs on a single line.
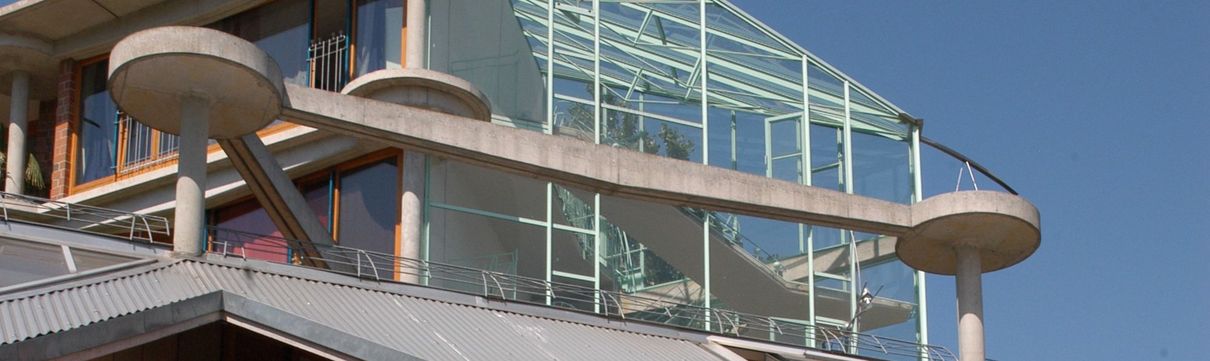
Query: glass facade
[[693, 80]]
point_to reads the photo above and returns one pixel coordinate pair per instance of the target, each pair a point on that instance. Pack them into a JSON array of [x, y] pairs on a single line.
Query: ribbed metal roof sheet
[[426, 328]]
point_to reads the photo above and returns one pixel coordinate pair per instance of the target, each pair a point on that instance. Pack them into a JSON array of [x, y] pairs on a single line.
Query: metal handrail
[[85, 218], [586, 299], [969, 162]]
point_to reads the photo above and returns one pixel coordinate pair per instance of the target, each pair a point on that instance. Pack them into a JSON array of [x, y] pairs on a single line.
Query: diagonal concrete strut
[[277, 195]]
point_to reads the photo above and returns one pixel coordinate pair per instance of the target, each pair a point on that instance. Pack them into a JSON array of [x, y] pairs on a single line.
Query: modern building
[[468, 179]]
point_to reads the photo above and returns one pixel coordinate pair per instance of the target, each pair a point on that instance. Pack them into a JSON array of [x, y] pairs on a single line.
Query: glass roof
[[24, 261], [651, 51]]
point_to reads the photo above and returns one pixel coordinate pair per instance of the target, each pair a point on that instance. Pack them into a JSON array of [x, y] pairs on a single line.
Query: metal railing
[[386, 267], [142, 147], [329, 62], [106, 221]]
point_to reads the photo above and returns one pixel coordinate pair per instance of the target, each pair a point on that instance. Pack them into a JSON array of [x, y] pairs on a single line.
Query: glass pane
[[22, 261], [87, 260], [573, 293], [574, 119], [573, 207], [249, 217], [827, 155], [737, 140], [572, 252], [379, 35], [319, 198], [492, 52], [282, 29], [486, 243], [464, 185], [882, 167], [892, 312], [630, 267], [651, 248], [369, 207], [95, 156]]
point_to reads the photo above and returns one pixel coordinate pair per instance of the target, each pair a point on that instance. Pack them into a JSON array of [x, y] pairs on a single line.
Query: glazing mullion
[[848, 188], [921, 291], [550, 67], [808, 174], [705, 139], [596, 69]]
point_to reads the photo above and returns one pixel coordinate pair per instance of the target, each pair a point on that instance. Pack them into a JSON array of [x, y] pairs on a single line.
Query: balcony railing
[[328, 60], [140, 147], [390, 268], [132, 226]]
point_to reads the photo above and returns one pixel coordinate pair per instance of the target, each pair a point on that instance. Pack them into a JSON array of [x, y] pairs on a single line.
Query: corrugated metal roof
[[426, 328]]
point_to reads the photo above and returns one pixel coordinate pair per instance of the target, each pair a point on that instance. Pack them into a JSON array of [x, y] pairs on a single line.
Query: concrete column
[[411, 212], [970, 304], [417, 41], [14, 180], [191, 176]]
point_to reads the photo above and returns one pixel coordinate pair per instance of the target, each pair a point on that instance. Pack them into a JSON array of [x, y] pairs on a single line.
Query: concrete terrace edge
[[231, 57]]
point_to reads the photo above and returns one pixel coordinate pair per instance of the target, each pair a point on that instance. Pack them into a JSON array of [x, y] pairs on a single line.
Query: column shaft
[[412, 208], [191, 176], [417, 36], [970, 304], [14, 180]]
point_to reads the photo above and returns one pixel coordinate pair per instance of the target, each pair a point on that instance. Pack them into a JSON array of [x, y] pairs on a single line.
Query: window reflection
[[248, 216], [281, 29], [379, 35], [369, 207], [98, 128]]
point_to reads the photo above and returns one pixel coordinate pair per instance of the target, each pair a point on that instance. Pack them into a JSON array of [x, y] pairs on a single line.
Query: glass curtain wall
[[700, 81]]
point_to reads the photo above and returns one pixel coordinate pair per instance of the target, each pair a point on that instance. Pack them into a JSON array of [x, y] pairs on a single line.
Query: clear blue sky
[[1098, 113]]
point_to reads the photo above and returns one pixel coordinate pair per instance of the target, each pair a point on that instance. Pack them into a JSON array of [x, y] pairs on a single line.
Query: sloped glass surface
[[24, 261]]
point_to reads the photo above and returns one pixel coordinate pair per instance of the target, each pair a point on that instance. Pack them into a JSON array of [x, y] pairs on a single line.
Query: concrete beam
[[276, 193], [600, 168]]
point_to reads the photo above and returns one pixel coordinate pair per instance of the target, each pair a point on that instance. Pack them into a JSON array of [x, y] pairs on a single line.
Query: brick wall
[[63, 115], [40, 142]]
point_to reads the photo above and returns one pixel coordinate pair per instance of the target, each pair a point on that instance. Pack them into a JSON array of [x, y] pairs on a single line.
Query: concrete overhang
[[1004, 228], [423, 88], [30, 55]]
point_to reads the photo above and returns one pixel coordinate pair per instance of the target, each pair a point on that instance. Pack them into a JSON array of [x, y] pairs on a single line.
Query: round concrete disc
[[423, 88], [152, 70], [1004, 227]]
